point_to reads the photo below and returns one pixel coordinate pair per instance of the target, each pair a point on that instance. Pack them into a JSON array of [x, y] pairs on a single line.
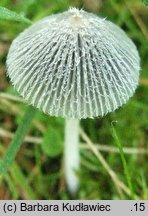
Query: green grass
[[14, 146], [6, 14], [125, 166], [37, 171]]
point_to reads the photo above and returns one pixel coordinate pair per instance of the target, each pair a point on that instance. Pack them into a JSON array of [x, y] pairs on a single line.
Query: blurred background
[[37, 172]]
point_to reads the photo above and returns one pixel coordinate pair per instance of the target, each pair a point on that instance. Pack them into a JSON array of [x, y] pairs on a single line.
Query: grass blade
[[6, 14], [11, 185], [126, 170], [17, 140], [22, 183]]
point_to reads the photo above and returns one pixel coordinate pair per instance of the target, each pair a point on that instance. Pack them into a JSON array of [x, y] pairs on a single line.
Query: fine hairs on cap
[[74, 64]]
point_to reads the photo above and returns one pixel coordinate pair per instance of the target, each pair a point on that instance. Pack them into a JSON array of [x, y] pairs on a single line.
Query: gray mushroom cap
[[74, 64]]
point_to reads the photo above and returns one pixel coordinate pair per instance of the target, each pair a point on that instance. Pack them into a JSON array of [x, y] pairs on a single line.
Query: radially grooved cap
[[74, 64]]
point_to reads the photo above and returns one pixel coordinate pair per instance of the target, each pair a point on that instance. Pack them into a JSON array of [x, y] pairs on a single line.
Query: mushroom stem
[[72, 154]]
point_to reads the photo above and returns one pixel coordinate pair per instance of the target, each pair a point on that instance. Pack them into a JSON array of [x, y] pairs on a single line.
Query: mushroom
[[75, 65]]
